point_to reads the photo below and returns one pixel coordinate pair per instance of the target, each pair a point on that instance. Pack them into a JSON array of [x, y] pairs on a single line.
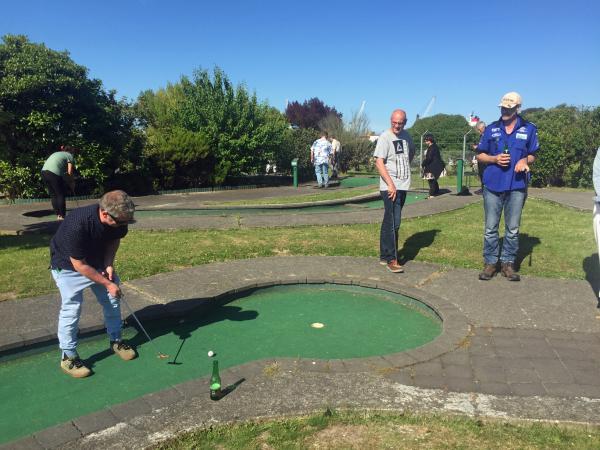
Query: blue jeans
[[71, 285], [493, 203], [322, 172], [388, 236]]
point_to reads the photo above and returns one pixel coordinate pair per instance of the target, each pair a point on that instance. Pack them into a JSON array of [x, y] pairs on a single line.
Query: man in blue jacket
[[507, 147]]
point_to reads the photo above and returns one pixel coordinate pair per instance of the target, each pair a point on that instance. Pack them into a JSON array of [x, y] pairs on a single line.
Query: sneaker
[[74, 367], [383, 262], [125, 352], [394, 267], [508, 271], [488, 272]]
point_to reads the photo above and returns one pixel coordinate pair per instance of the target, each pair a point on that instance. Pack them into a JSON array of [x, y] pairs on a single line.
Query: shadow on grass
[[591, 267], [413, 245], [24, 242], [526, 246]]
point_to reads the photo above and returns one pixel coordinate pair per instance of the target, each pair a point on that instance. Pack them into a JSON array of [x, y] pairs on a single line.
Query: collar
[[518, 124]]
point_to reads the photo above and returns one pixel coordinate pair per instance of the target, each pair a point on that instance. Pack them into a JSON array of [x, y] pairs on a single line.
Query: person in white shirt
[[320, 153], [336, 148]]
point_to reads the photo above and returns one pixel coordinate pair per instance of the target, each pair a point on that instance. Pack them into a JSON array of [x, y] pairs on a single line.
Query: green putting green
[[269, 322]]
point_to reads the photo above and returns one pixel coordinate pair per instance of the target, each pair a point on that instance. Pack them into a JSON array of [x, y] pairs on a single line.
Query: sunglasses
[[399, 123], [117, 221]]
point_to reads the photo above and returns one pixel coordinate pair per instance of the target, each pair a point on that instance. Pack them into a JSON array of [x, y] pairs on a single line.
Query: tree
[[296, 144], [310, 113], [568, 138], [357, 149], [448, 131], [47, 100], [209, 129]]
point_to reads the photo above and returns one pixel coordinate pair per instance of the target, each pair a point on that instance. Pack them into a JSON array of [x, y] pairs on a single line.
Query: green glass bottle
[[215, 382], [506, 151]]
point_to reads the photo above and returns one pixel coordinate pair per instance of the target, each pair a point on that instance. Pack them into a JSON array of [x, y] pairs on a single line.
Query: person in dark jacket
[[433, 165]]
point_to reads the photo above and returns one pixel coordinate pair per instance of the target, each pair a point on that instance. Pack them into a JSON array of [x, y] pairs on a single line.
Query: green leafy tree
[[449, 131], [569, 137], [231, 132], [46, 100]]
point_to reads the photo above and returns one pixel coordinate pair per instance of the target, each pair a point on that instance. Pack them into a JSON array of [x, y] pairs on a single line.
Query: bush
[[296, 144], [18, 182], [569, 137]]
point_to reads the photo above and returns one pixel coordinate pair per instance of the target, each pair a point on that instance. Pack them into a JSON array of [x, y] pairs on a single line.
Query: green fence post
[[295, 171], [459, 176]]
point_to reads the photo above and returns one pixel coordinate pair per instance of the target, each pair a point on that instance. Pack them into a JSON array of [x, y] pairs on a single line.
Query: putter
[[159, 355], [174, 362]]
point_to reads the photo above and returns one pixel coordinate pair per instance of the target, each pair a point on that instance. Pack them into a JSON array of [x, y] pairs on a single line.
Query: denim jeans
[[388, 236], [493, 204], [71, 285], [322, 172]]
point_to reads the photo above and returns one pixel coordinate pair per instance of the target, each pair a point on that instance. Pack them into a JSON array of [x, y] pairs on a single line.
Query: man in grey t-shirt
[[394, 152]]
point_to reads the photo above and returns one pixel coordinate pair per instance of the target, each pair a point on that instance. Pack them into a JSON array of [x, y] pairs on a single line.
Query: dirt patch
[[7, 296], [362, 436]]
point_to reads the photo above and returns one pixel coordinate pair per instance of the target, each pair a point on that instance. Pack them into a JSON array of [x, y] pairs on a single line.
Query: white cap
[[510, 100]]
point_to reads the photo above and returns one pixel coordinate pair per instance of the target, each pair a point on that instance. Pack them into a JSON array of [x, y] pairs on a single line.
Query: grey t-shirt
[[397, 153], [57, 163]]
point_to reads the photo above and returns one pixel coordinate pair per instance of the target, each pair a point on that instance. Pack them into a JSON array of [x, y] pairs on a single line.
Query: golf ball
[[211, 353]]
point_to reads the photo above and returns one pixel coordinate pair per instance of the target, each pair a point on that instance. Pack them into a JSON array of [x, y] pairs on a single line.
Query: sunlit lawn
[[556, 242], [370, 430]]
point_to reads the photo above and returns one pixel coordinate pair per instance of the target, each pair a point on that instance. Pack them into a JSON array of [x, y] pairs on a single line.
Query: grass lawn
[[556, 242], [354, 430]]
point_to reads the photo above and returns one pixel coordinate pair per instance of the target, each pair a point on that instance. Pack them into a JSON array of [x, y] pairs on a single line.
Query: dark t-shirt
[[82, 236]]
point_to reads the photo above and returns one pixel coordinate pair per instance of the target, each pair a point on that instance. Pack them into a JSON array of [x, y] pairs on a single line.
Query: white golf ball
[[211, 353]]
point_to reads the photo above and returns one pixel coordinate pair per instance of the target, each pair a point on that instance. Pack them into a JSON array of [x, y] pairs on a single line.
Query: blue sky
[[388, 54]]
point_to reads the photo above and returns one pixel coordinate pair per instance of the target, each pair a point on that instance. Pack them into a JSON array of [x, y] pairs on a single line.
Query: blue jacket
[[523, 141]]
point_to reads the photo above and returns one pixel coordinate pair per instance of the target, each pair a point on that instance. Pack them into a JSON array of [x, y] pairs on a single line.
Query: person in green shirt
[[57, 173]]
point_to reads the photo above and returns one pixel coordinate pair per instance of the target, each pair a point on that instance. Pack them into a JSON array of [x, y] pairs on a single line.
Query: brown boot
[[488, 272], [508, 271]]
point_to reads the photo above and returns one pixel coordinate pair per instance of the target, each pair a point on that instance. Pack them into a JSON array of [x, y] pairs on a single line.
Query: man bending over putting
[[82, 254]]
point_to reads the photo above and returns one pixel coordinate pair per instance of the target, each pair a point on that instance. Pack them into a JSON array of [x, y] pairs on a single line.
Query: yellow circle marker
[[317, 325]]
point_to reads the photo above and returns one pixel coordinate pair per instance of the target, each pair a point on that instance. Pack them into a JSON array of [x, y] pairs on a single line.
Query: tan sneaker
[[394, 267], [125, 352], [74, 367]]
